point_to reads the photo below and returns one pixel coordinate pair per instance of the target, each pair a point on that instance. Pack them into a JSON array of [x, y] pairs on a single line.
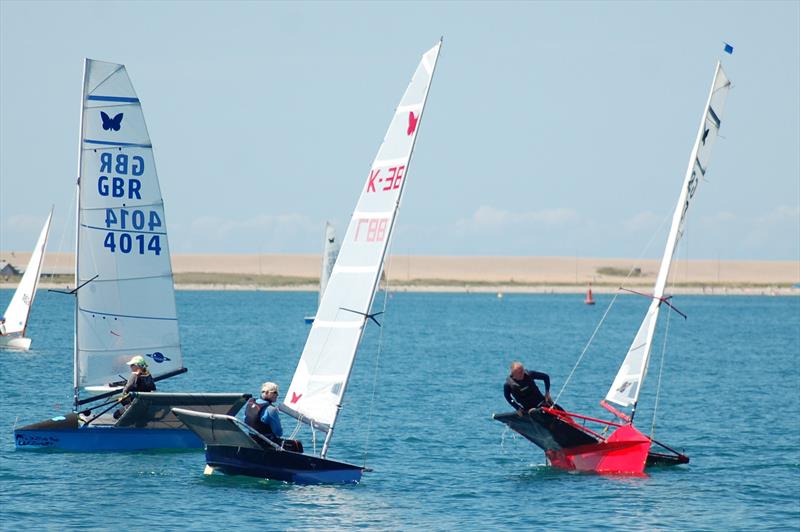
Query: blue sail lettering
[[117, 187], [122, 164], [105, 162], [137, 166]]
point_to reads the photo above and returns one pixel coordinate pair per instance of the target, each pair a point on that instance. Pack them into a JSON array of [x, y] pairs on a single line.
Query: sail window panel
[[317, 384], [103, 76], [417, 90]]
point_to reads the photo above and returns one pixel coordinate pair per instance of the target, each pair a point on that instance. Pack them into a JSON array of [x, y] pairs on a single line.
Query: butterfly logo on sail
[[111, 124], [296, 397], [412, 123]]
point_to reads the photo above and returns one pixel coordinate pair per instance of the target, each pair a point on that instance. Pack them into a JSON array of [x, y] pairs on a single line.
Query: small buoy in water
[[499, 295], [589, 299]]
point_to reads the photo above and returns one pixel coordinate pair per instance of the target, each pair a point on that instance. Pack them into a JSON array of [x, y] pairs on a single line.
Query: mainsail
[[628, 382], [19, 308], [330, 251], [315, 394], [125, 299]]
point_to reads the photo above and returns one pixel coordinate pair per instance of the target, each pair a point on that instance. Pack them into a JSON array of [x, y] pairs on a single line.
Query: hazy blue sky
[[552, 128]]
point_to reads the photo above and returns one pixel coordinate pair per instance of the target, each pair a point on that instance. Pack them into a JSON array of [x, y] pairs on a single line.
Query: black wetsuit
[[524, 394]]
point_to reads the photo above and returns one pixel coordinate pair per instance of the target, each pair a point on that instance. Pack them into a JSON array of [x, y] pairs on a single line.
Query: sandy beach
[[478, 274]]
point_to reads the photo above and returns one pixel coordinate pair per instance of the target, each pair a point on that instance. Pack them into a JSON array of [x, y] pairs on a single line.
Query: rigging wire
[[64, 229], [611, 304], [377, 363], [660, 373]]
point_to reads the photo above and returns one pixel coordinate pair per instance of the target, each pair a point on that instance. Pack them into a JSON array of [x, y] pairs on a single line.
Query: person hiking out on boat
[[521, 392], [262, 414], [139, 381], [3, 326]]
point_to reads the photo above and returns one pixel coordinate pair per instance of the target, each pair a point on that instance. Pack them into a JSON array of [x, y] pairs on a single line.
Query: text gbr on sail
[[116, 186]]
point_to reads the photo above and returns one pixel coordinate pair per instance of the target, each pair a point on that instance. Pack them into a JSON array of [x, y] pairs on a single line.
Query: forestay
[[319, 382], [330, 251], [19, 308], [128, 305], [627, 384]]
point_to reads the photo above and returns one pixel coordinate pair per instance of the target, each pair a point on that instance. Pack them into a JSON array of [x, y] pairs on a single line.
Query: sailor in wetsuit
[[521, 391], [262, 415], [139, 381]]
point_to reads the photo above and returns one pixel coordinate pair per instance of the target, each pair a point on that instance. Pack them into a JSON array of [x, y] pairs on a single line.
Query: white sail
[[315, 394], [19, 308], [127, 306], [628, 383], [330, 250]]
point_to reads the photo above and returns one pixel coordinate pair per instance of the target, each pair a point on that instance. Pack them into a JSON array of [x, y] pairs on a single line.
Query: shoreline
[[408, 273]]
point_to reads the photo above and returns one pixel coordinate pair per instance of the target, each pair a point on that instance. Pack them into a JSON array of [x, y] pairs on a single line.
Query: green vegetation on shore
[[212, 280]]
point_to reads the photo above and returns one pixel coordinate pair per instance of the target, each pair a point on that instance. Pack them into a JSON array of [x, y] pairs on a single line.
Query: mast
[[628, 383], [75, 387]]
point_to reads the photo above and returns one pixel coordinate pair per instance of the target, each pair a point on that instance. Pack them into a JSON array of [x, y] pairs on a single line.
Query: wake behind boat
[[124, 292], [15, 318], [315, 395], [569, 443]]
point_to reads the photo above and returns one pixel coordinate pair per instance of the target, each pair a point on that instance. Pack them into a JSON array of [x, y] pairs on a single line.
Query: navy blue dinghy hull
[[286, 466], [234, 448]]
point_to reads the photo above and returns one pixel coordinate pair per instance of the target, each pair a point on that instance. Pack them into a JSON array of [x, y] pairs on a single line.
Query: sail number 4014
[[137, 220], [127, 243]]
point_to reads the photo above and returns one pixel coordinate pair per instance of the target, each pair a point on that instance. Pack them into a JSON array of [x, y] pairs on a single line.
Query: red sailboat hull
[[570, 445], [624, 452]]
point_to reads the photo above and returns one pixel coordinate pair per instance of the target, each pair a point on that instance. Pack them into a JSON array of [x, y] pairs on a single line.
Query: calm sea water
[[729, 397]]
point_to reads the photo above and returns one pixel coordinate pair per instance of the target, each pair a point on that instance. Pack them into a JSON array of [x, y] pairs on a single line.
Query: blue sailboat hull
[[109, 438], [283, 465], [146, 424]]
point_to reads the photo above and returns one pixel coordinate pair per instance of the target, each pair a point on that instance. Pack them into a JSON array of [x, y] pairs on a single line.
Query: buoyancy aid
[[252, 417], [145, 383]]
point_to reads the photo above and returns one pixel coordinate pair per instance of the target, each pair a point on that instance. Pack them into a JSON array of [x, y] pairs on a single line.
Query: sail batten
[[627, 384], [320, 380], [129, 307]]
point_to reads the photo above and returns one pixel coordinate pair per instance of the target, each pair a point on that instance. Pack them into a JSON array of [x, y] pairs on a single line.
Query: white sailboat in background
[[124, 292], [330, 250], [315, 396], [19, 309]]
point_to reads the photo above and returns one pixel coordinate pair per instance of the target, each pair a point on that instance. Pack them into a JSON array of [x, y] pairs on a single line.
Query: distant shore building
[[7, 270]]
